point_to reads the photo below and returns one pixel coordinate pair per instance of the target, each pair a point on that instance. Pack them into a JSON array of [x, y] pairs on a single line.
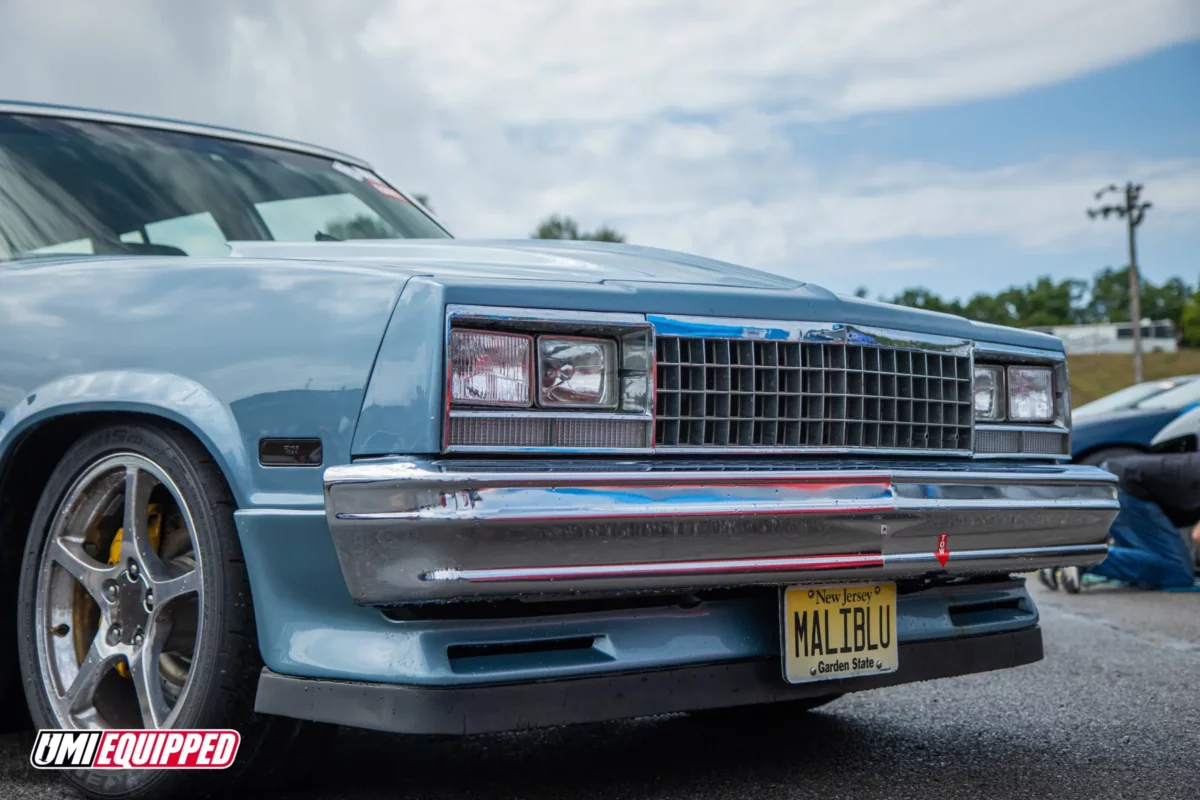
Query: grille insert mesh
[[471, 431], [743, 393], [993, 442]]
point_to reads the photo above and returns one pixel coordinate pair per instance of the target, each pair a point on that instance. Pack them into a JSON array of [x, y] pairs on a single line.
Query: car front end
[[337, 466], [638, 513]]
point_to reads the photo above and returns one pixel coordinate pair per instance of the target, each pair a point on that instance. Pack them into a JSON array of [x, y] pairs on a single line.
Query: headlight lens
[[1031, 394], [637, 362], [490, 369], [989, 393], [577, 372]]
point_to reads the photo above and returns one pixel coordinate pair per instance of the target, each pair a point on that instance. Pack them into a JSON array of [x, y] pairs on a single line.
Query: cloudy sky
[[878, 143]]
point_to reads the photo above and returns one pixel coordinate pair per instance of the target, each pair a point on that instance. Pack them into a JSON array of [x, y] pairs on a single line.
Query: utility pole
[[1133, 213]]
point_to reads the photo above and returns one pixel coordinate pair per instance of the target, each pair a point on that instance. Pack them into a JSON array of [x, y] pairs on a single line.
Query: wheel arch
[[27, 462], [77, 402]]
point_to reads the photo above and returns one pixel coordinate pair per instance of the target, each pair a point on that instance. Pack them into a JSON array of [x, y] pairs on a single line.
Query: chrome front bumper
[[409, 530]]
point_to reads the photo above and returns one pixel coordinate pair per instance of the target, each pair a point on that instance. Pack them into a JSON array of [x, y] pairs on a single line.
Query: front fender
[[402, 408], [235, 350]]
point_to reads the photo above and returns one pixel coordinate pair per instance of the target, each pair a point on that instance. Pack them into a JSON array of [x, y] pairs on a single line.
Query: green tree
[[1190, 321], [1109, 297], [1047, 302], [1167, 301], [1044, 302], [920, 297], [989, 308], [563, 227]]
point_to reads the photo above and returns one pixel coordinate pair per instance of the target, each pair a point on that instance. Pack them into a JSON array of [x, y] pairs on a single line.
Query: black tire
[[1097, 457], [226, 664]]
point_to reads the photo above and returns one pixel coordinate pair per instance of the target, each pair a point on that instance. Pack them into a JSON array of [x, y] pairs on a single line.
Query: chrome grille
[[750, 393]]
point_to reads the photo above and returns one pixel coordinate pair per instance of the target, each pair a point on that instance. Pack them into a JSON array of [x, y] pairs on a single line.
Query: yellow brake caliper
[[154, 533]]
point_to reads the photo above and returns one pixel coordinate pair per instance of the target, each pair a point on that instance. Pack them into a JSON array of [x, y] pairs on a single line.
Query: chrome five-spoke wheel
[[134, 611], [119, 603]]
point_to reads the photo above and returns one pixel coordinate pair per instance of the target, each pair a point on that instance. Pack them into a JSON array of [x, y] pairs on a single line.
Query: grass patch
[[1094, 376]]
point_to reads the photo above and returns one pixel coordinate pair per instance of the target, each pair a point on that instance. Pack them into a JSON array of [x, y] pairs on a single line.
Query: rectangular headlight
[[1031, 394], [577, 372], [490, 369], [989, 393]]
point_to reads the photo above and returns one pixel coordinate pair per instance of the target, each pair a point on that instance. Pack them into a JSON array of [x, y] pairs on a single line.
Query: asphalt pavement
[[1112, 712]]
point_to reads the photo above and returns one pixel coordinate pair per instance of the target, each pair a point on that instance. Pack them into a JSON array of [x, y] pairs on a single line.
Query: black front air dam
[[516, 706]]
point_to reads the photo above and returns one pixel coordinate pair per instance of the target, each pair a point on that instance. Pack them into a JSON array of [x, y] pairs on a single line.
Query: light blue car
[[276, 450]]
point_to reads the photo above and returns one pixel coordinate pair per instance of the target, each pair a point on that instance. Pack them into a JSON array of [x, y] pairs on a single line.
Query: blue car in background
[[1129, 428], [1180, 435], [1129, 397]]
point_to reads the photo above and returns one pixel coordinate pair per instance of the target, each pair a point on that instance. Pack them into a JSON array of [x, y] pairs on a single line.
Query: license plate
[[832, 632]]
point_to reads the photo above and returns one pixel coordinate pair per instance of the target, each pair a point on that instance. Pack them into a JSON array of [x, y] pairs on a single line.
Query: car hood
[[524, 273], [531, 259]]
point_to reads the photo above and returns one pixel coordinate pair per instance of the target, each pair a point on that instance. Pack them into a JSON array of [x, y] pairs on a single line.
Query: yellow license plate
[[832, 632]]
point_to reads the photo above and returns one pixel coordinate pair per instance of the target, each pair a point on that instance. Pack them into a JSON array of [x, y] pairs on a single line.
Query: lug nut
[[148, 601], [138, 638], [114, 634], [133, 570], [111, 591]]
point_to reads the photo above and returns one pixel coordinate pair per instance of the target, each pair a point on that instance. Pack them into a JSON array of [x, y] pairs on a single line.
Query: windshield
[[76, 187], [1128, 397], [1179, 397]]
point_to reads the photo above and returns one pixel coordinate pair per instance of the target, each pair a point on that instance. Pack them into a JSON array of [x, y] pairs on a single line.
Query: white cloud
[[538, 61], [664, 118]]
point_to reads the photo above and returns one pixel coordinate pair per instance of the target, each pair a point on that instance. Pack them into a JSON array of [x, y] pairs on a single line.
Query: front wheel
[[134, 607]]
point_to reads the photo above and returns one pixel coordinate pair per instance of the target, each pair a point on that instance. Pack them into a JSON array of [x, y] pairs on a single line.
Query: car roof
[[163, 123]]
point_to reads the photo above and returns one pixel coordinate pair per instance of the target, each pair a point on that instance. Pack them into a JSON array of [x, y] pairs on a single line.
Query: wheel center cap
[[128, 611]]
